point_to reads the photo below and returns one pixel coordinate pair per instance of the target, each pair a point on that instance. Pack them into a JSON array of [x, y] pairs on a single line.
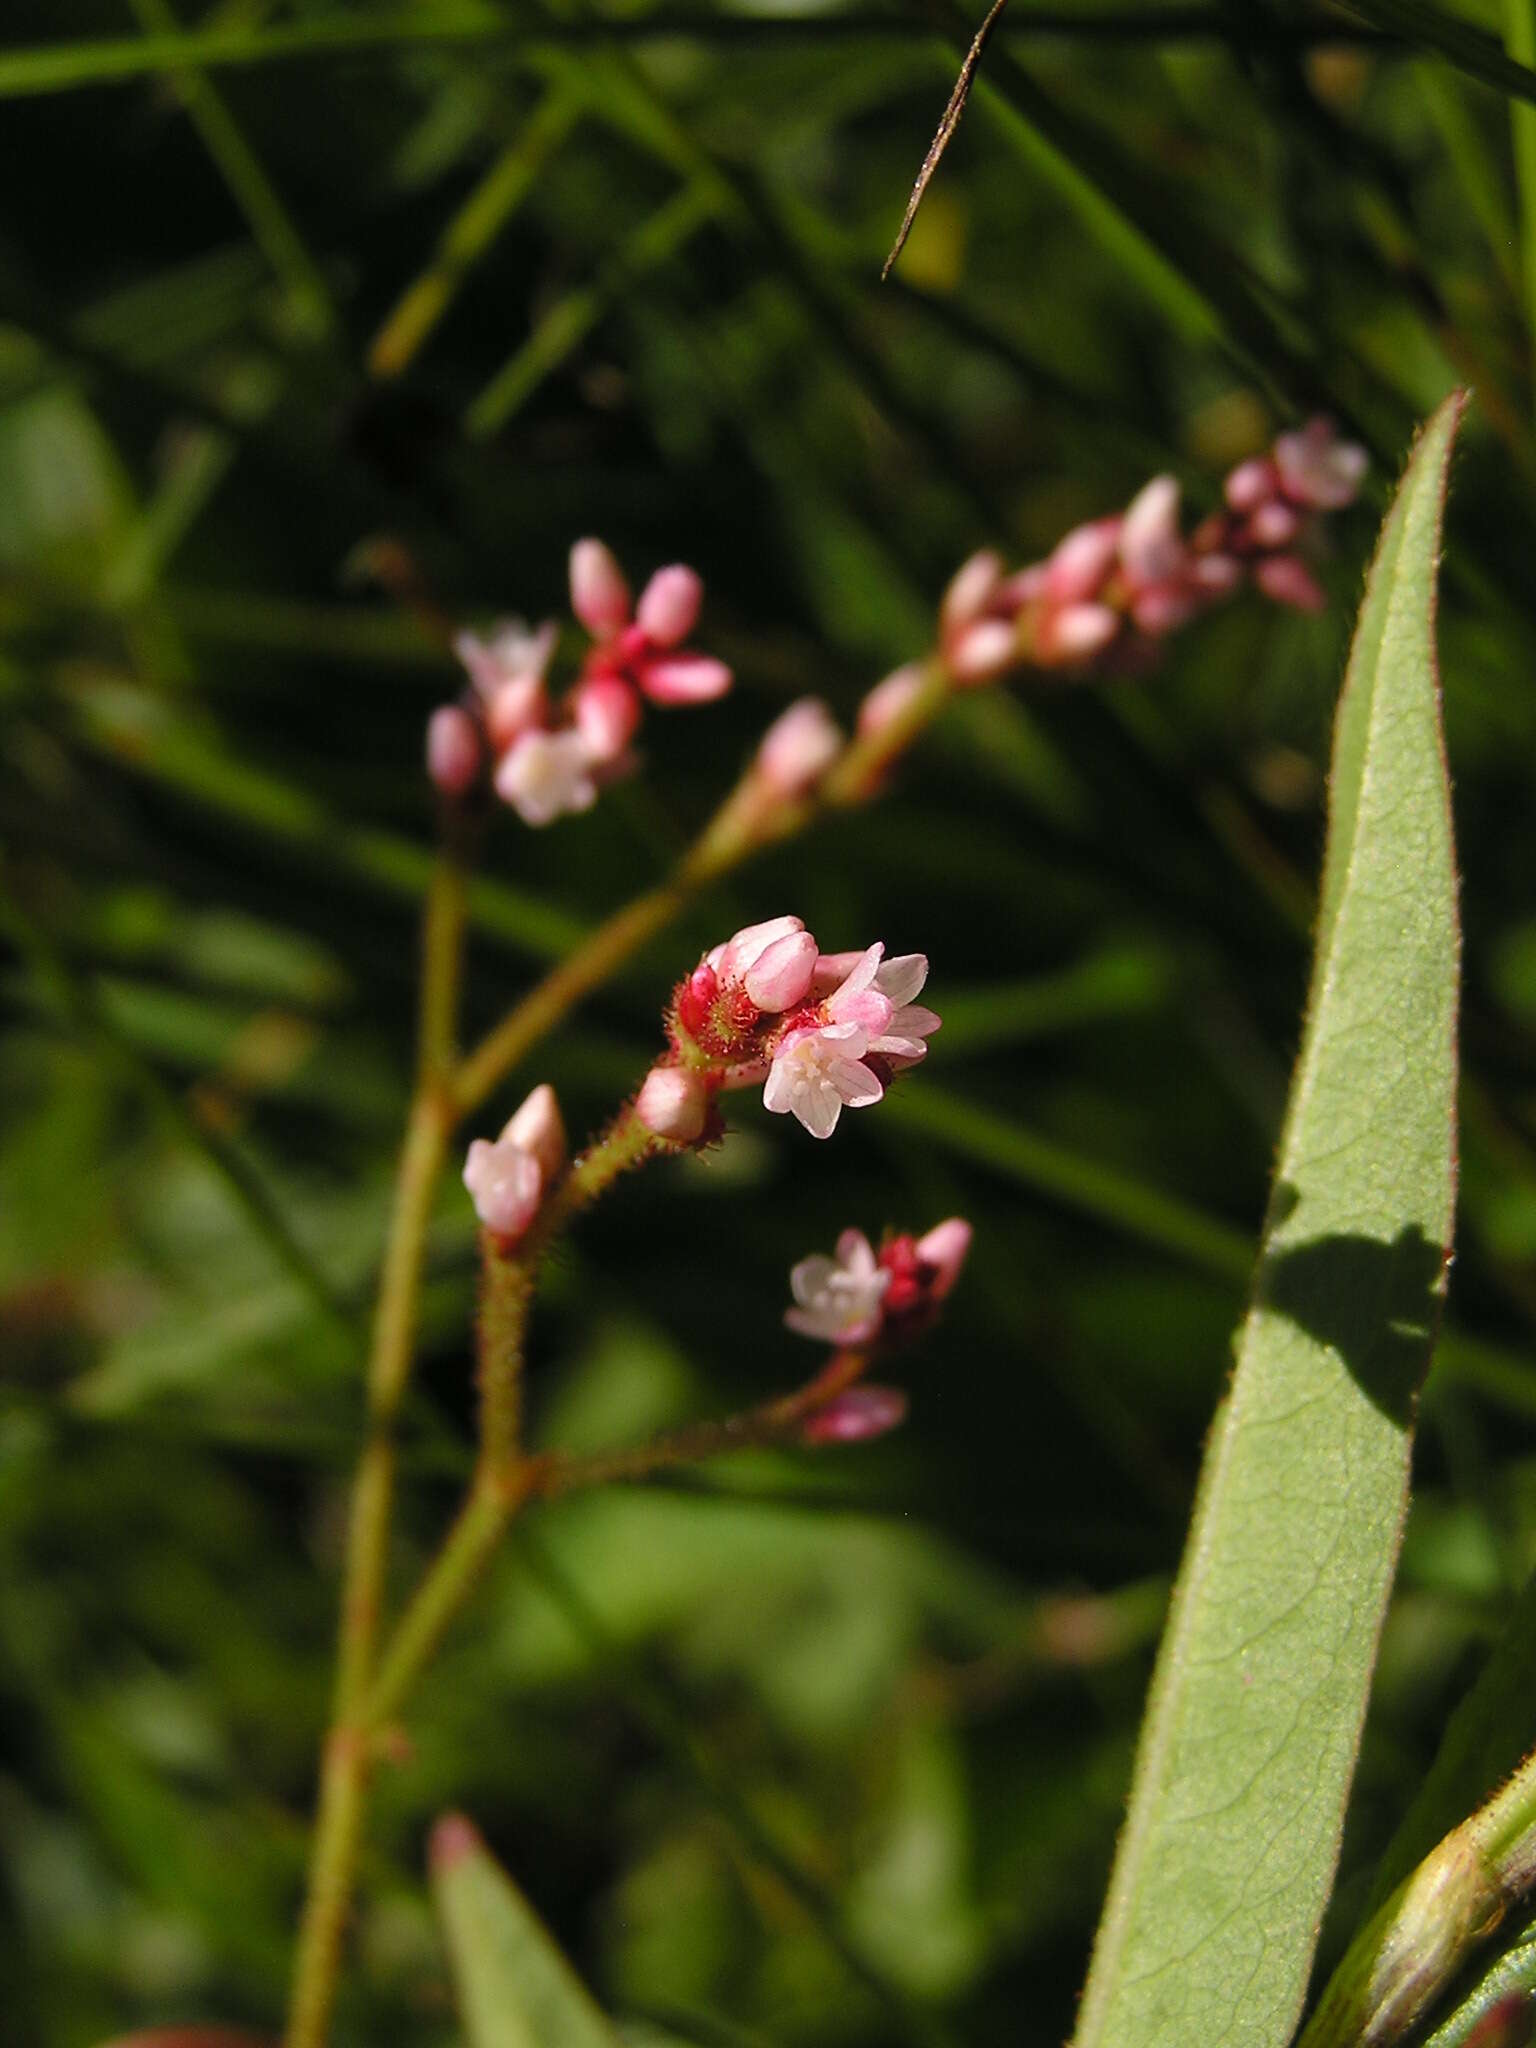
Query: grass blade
[[1254, 1717]]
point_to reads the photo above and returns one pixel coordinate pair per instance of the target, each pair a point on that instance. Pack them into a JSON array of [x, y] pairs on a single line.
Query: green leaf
[[1256, 1705], [515, 1989]]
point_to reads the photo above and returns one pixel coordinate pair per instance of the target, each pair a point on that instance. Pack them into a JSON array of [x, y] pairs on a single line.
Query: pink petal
[[683, 678], [855, 1083], [983, 652], [669, 605], [599, 591], [538, 1129], [673, 1103], [856, 1416], [607, 712]]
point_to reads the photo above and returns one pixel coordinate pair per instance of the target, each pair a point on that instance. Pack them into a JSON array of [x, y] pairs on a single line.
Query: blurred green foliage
[[820, 1751]]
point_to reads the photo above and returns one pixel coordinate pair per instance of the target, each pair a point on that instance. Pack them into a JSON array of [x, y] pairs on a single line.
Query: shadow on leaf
[[1376, 1303]]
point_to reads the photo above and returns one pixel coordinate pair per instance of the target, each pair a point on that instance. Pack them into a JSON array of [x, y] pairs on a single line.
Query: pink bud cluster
[[861, 1299], [548, 756], [822, 1032], [509, 1178], [1113, 587]]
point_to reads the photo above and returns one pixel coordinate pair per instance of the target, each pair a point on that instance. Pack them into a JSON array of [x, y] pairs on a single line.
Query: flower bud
[[453, 749], [537, 1128], [983, 651], [780, 976], [599, 592], [669, 605], [1288, 580], [856, 1416], [1274, 524], [797, 749], [1251, 483], [506, 1184], [673, 1103], [1076, 633], [607, 712], [1080, 562], [1318, 470], [970, 590], [1151, 547], [889, 699], [944, 1248]]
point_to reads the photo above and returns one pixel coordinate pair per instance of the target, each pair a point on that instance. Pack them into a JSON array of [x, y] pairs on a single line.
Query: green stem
[[771, 1423], [1520, 42], [1408, 1952], [497, 1496], [344, 1771]]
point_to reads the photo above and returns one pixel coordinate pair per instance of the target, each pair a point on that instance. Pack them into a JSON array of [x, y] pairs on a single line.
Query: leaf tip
[[454, 1838]]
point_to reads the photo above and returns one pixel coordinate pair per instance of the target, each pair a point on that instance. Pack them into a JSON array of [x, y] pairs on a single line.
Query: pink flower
[[643, 647], [544, 775], [837, 1300], [819, 1070], [1317, 469], [820, 1064], [798, 749], [673, 1103], [858, 1295], [513, 653], [855, 1416], [453, 749]]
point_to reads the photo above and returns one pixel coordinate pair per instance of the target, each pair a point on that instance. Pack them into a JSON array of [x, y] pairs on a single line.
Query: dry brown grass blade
[[948, 123]]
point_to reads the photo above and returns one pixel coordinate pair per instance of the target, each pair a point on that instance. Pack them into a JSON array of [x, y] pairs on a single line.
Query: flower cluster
[[507, 1179], [1113, 587], [822, 1032], [551, 756], [860, 1296], [864, 1301]]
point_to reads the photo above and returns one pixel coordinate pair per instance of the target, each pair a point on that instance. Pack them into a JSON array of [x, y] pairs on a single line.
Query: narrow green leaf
[[1469, 48], [515, 1989], [1254, 1717]]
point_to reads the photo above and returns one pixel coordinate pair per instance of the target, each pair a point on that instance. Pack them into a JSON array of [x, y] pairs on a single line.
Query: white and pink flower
[[860, 1295], [840, 1054]]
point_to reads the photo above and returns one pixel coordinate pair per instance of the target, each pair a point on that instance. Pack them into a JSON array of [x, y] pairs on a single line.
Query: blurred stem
[[344, 1770], [469, 235], [248, 184], [1520, 42], [1406, 1954]]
